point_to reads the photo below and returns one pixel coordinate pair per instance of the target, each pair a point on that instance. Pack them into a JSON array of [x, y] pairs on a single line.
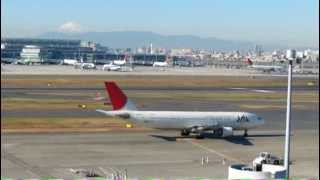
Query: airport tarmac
[[156, 154]]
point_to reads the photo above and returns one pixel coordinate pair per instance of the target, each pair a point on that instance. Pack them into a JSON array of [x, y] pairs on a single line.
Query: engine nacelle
[[227, 131], [197, 129]]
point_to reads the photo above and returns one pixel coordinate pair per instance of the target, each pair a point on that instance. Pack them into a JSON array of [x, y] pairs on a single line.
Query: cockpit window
[[259, 118]]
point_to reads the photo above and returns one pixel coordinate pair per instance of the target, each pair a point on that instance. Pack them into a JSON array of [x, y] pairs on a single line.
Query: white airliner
[[69, 61], [83, 65], [222, 124], [120, 62], [265, 68], [160, 64], [111, 67]]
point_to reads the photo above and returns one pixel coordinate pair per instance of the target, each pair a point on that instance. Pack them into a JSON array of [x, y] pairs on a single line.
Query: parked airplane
[[8, 60], [120, 62], [69, 62], [221, 124], [265, 68], [83, 65], [160, 64], [301, 70], [111, 67]]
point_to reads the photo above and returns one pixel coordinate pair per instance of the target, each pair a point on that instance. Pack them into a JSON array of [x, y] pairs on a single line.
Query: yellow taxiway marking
[[215, 152]]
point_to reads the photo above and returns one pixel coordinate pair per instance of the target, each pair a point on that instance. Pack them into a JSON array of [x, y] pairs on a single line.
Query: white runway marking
[[216, 152], [254, 90], [262, 91], [238, 88]]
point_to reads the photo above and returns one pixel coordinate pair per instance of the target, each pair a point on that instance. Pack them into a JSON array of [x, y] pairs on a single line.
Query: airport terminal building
[[55, 50], [51, 50]]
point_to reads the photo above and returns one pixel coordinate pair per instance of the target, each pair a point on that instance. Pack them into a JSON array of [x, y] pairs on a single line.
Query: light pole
[[290, 57]]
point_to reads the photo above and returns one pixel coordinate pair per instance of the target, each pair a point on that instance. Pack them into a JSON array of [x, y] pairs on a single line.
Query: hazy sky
[[269, 21]]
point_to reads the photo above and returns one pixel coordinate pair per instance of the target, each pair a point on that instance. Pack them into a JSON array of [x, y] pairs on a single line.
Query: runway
[[202, 88], [274, 116]]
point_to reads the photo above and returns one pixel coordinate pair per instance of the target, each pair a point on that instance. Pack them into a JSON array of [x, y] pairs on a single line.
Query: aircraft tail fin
[[118, 99]]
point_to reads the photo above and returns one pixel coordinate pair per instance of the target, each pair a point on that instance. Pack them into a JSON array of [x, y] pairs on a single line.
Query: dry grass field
[[59, 124], [147, 81]]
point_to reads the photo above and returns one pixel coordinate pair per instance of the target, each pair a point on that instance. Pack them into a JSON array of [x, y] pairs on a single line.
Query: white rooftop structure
[[30, 54]]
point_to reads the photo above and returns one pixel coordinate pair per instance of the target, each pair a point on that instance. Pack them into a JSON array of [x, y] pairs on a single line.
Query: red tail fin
[[117, 97]]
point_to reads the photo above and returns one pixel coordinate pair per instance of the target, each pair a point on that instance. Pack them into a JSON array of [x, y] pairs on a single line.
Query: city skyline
[[289, 22]]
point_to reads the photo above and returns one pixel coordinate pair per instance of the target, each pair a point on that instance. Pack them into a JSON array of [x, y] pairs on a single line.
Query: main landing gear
[[245, 133], [185, 132], [218, 132]]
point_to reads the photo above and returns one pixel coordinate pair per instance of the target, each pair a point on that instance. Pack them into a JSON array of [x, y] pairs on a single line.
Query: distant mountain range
[[134, 39]]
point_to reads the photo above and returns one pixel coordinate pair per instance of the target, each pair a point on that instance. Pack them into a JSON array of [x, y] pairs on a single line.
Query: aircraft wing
[[114, 113]]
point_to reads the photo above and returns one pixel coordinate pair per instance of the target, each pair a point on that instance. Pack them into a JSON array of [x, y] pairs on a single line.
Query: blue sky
[[294, 22]]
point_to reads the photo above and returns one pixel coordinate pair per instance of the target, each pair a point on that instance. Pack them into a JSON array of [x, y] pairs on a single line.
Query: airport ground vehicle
[[266, 158]]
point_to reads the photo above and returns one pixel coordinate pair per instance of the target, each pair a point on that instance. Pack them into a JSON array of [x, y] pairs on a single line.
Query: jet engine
[[197, 129], [227, 131]]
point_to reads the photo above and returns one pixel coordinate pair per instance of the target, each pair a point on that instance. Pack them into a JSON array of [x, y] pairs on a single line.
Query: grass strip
[[41, 104], [60, 122], [148, 81]]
